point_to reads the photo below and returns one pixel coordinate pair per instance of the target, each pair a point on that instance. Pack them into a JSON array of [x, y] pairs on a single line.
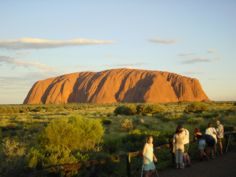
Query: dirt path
[[223, 166]]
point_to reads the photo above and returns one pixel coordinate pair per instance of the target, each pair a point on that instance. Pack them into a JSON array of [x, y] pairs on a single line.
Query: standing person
[[178, 147], [148, 158], [187, 160], [211, 131], [220, 135]]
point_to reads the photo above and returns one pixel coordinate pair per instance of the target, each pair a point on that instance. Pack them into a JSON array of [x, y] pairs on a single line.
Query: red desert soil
[[116, 85]]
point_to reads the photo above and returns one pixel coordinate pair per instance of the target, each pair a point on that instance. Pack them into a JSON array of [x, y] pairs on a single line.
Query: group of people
[[207, 146], [207, 143]]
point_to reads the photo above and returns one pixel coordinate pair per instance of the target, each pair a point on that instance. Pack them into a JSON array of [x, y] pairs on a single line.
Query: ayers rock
[[116, 85]]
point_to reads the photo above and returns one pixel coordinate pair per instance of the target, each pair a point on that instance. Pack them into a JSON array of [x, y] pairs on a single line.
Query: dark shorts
[[210, 141], [186, 148]]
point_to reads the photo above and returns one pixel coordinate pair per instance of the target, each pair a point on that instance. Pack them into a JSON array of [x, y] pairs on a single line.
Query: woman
[[148, 158], [220, 135], [178, 146]]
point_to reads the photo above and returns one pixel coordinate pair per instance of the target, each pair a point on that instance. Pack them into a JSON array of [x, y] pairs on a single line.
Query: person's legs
[[181, 159], [146, 174], [220, 146], [177, 158], [187, 160]]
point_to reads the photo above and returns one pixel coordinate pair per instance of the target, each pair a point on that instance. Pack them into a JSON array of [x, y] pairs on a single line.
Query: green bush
[[125, 110], [106, 121], [62, 137], [197, 107], [195, 120], [12, 155], [145, 109], [169, 116], [127, 124], [136, 139]]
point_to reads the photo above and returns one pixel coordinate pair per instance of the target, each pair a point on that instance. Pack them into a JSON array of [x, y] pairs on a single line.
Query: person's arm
[[214, 131], [144, 149], [154, 158]]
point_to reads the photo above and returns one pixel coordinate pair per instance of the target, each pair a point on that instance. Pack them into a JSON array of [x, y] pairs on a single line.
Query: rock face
[[116, 85]]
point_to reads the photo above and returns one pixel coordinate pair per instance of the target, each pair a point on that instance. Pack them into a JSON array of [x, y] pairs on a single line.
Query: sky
[[41, 39]]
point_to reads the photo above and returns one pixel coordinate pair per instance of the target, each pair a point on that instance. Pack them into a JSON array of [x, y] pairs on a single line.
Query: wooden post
[[228, 143], [128, 162]]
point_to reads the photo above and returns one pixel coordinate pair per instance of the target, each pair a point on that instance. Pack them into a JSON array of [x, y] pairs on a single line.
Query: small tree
[[62, 137]]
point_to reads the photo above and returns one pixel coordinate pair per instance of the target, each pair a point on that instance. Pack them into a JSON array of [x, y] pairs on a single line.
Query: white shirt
[[220, 131], [212, 132], [186, 137]]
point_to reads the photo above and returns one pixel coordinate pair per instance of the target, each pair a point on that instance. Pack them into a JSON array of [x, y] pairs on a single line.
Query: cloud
[[192, 73], [37, 43], [128, 64], [212, 51], [196, 60], [28, 64], [215, 53], [163, 41]]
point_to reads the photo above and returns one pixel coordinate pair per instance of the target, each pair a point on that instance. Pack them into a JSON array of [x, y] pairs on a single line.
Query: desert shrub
[[125, 110], [127, 124], [13, 148], [145, 109], [36, 109], [112, 145], [61, 138], [74, 133], [136, 139], [197, 107], [106, 121], [12, 157], [195, 120], [210, 115], [169, 116]]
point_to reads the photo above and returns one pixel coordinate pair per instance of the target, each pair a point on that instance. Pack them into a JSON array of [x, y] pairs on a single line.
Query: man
[[220, 135]]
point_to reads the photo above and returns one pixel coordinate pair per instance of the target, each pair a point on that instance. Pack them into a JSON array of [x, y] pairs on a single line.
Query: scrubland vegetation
[[36, 137]]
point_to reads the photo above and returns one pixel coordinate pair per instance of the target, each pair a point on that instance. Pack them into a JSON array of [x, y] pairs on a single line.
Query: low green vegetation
[[35, 137]]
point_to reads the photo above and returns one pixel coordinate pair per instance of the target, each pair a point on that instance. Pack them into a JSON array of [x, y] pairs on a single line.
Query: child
[[201, 145], [148, 158]]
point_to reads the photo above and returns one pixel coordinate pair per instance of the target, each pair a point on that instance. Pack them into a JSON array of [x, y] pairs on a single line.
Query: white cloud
[[28, 64], [212, 51], [196, 60], [163, 41], [37, 43]]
